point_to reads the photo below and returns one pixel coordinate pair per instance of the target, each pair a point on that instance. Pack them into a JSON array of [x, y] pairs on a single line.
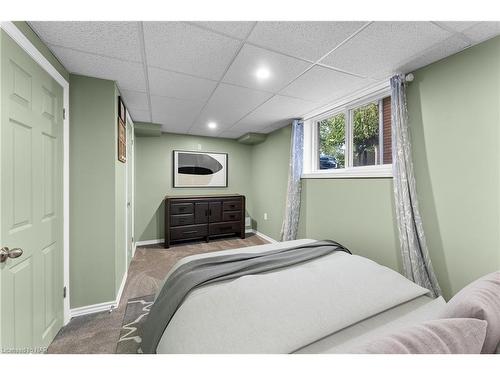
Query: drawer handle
[[190, 231], [224, 228]]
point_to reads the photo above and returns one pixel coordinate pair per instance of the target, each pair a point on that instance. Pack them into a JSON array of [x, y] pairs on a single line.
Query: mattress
[[416, 311], [288, 309]]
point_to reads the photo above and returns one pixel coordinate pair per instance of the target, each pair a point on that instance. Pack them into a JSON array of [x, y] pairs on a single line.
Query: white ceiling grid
[[186, 74]]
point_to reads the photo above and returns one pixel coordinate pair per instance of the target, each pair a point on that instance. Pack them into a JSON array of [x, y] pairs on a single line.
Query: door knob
[[6, 253]]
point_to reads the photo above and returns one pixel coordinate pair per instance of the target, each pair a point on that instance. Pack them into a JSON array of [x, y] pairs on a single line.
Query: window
[[332, 142], [354, 140]]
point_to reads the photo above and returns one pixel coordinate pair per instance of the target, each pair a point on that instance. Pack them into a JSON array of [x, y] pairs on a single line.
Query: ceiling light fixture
[[212, 125], [263, 73]]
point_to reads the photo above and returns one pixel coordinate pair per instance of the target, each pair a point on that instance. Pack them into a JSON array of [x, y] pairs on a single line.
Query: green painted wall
[[355, 212], [97, 193], [147, 129], [153, 176], [270, 161], [44, 50], [454, 116]]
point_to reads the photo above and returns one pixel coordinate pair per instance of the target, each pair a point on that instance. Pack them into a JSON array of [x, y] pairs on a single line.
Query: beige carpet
[[98, 333]]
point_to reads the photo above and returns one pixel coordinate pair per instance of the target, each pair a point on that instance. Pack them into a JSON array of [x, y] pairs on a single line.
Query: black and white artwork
[[199, 169]]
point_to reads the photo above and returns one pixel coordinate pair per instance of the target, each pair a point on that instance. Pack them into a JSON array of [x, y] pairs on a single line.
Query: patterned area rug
[[135, 315]]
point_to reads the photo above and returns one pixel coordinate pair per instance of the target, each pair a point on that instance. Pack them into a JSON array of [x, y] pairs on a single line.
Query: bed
[[329, 304]]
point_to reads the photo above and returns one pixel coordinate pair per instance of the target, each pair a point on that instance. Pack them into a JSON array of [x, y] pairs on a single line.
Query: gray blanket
[[204, 271]]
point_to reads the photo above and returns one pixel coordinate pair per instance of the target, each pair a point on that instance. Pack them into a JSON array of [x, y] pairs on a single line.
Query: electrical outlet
[[199, 147], [265, 215]]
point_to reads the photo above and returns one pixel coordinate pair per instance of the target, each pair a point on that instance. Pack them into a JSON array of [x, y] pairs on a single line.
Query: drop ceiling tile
[[113, 39], [174, 112], [181, 86], [175, 128], [236, 29], [232, 134], [188, 49], [230, 103], [129, 75], [135, 99], [322, 84], [283, 69], [307, 40], [275, 127], [204, 131], [483, 31], [279, 109], [139, 115], [380, 48], [441, 50], [457, 26]]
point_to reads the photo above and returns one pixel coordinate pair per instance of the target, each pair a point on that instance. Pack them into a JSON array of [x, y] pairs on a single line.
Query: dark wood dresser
[[204, 216]]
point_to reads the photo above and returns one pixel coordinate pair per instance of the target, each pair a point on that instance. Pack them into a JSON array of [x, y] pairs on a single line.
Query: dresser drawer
[[185, 219], [224, 228], [188, 231], [231, 205], [231, 215], [181, 208]]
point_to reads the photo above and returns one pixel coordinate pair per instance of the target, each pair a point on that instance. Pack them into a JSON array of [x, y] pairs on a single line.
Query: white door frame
[[129, 169], [36, 55]]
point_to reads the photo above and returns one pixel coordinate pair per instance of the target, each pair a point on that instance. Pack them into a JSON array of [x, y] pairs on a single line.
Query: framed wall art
[[196, 169], [122, 131], [122, 141]]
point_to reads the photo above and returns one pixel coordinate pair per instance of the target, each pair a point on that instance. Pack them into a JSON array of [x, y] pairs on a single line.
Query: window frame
[[311, 140]]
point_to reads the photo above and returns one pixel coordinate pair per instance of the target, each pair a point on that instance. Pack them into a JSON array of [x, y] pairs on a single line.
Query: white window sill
[[376, 171]]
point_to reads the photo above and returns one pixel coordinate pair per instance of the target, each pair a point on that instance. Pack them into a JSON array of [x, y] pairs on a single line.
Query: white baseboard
[[247, 230], [122, 287], [91, 309], [149, 242], [103, 306], [262, 235]]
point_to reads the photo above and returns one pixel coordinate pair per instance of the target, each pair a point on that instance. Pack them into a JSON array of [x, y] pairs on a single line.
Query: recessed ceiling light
[[212, 125], [263, 73]]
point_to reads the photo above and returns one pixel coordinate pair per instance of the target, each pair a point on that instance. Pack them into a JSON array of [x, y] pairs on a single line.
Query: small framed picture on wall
[[122, 131], [122, 142]]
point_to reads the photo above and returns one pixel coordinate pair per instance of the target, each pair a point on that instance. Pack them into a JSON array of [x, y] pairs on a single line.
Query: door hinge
[[64, 292], [132, 239], [64, 113]]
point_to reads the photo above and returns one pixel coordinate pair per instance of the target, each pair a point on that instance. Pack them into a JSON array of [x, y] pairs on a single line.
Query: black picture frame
[[122, 110], [226, 178]]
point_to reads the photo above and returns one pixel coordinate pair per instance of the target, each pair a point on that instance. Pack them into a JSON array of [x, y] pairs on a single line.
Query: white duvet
[[282, 311]]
